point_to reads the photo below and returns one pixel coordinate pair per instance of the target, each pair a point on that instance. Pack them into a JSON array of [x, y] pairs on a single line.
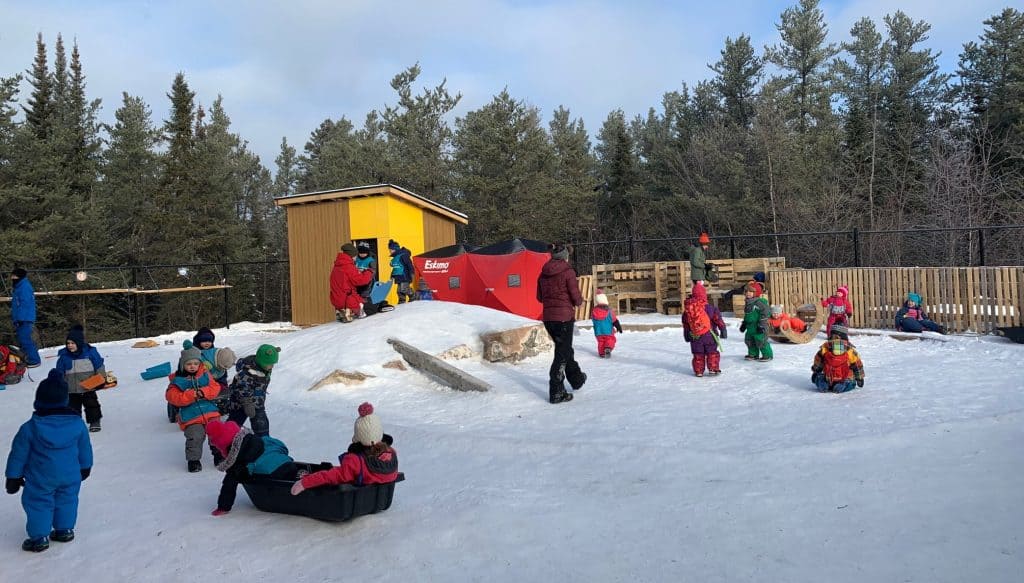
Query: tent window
[[454, 282], [513, 280]]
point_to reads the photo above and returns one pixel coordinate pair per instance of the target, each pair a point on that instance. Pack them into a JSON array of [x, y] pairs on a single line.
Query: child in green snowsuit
[[755, 323]]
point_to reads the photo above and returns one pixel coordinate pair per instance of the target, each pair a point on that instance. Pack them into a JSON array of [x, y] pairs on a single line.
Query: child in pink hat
[[242, 456]]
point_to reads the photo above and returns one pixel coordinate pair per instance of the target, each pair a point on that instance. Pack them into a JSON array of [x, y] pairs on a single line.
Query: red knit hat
[[704, 239], [221, 434], [699, 293], [843, 291], [755, 287]]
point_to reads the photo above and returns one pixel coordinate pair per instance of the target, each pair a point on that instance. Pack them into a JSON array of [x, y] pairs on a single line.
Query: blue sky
[[283, 67]]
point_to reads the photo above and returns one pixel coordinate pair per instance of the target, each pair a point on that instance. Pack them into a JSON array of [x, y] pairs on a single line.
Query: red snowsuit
[[345, 278], [700, 331], [839, 309]]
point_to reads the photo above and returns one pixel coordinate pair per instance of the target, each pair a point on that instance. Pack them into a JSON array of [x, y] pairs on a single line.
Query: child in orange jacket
[[605, 325], [376, 463], [778, 317], [192, 391]]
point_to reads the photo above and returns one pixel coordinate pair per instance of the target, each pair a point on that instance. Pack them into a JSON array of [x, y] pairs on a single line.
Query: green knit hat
[[266, 355]]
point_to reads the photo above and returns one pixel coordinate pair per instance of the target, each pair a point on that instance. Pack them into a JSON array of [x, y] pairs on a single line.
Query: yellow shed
[[320, 222]]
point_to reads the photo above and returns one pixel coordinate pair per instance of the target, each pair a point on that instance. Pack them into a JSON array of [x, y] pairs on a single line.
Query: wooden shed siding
[[315, 233], [437, 231]]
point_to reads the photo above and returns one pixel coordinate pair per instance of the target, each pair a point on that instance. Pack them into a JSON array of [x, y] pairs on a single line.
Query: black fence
[[139, 300], [928, 247]]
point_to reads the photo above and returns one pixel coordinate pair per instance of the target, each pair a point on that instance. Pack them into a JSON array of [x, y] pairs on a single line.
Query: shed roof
[[373, 190]]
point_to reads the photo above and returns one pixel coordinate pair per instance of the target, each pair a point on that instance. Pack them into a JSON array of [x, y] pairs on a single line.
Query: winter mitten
[[860, 383], [219, 512], [297, 488], [723, 334], [14, 484], [761, 329], [687, 336], [617, 325], [85, 473]]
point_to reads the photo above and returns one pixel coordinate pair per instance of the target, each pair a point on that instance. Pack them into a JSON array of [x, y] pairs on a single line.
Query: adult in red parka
[[345, 278], [558, 290]]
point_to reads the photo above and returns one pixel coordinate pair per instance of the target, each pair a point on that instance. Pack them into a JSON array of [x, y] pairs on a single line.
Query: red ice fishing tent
[[502, 275]]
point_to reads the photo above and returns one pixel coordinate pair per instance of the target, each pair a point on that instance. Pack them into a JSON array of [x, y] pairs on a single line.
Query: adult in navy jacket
[[51, 455], [559, 292], [23, 314]]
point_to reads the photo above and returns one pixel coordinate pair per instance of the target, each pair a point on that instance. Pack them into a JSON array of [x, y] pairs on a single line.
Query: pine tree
[[619, 176], [804, 56], [177, 190], [39, 113], [739, 72]]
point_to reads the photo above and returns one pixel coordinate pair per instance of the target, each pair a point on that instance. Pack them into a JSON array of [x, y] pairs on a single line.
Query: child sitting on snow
[[79, 361], [911, 317], [243, 456], [423, 291], [377, 463], [250, 387], [700, 321], [778, 317], [192, 391], [50, 456], [755, 323], [840, 310], [837, 366], [605, 325]]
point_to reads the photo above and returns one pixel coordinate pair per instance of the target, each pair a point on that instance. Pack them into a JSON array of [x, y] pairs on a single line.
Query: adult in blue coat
[[23, 314], [50, 456]]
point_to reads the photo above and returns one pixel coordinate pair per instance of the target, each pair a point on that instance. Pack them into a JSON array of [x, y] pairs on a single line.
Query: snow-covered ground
[[650, 474]]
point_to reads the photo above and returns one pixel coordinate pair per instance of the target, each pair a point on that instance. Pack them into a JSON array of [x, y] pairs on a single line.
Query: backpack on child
[[12, 365]]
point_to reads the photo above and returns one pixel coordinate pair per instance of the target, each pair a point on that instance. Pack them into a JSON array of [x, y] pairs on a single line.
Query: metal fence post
[[632, 251], [135, 301], [981, 247], [856, 247], [227, 301], [732, 248]]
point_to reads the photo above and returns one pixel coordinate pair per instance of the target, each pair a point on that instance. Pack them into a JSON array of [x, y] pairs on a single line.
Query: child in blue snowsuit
[[51, 456], [23, 314]]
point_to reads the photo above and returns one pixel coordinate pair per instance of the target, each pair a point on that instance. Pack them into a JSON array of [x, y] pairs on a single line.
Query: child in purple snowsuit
[[700, 322]]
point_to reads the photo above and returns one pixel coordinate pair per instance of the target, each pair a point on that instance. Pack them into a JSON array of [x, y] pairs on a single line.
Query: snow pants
[[254, 409], [838, 387], [195, 435], [564, 365], [48, 507], [88, 400], [705, 354], [605, 341], [912, 325], [405, 293], [757, 344], [23, 330], [836, 319]]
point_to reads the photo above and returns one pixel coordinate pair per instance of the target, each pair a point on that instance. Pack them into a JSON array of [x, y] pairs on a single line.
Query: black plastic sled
[[1015, 333], [330, 503]]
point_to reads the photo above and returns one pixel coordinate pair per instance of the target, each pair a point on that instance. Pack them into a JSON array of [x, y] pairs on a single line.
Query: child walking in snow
[[755, 323], [50, 457], [911, 317], [78, 361], [243, 456], [700, 322], [376, 463], [250, 387], [193, 391], [605, 325], [837, 366], [840, 310]]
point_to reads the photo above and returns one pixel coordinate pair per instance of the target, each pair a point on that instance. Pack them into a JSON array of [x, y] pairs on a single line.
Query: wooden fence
[[963, 299]]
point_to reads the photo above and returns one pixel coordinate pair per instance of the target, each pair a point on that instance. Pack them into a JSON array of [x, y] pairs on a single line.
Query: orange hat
[[704, 239]]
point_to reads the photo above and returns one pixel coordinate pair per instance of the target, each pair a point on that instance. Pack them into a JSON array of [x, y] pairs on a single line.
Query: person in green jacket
[[755, 323], [698, 259]]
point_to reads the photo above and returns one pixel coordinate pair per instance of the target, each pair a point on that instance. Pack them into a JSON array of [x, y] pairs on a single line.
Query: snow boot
[[579, 384], [63, 535], [559, 397], [749, 357], [36, 545], [607, 352], [195, 466], [94, 427], [698, 362], [715, 363], [764, 359]]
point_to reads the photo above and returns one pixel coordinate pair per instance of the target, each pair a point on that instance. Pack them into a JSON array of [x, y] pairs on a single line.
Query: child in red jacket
[[192, 391], [840, 310], [377, 463], [605, 325], [700, 322]]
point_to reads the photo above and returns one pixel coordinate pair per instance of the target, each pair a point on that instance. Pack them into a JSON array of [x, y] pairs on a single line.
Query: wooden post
[[227, 300], [437, 368]]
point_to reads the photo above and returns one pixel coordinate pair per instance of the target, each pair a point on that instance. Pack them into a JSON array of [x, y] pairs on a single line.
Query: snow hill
[[650, 474]]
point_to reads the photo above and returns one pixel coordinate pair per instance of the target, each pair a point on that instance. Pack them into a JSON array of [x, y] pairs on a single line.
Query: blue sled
[[379, 293], [156, 372]]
